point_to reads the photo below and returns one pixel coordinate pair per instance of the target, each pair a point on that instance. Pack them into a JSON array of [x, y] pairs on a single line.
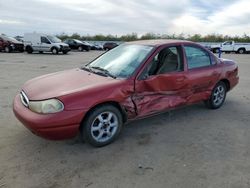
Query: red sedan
[[134, 80]]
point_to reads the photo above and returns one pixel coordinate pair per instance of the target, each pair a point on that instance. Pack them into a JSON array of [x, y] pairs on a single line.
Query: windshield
[[123, 60], [78, 41], [53, 39], [87, 43]]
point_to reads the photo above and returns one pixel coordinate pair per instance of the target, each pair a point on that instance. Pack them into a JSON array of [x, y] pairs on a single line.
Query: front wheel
[[80, 48], [102, 126], [217, 97], [54, 51]]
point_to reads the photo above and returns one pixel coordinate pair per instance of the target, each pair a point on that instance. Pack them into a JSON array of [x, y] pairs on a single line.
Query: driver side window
[[44, 40], [166, 61]]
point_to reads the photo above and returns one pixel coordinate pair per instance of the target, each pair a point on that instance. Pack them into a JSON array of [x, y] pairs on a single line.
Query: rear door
[[202, 74], [162, 84]]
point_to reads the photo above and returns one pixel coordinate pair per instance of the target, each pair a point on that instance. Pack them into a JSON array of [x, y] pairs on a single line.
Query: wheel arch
[[28, 46], [241, 48], [226, 82], [52, 47], [113, 103]]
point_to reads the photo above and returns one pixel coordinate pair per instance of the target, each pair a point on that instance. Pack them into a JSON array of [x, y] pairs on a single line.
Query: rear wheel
[[218, 96], [102, 126], [241, 50], [216, 50], [29, 49]]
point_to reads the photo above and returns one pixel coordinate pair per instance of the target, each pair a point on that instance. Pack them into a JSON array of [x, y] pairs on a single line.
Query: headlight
[[46, 106], [12, 45]]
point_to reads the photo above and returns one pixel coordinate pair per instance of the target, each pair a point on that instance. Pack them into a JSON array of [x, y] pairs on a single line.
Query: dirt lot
[[189, 147]]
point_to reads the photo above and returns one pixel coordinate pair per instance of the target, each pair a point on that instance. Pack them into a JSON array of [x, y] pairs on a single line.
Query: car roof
[[159, 42]]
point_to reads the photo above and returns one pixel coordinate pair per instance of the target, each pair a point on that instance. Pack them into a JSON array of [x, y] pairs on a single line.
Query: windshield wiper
[[106, 72]]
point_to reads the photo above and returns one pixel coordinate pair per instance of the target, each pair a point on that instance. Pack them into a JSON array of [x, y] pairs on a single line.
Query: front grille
[[24, 99]]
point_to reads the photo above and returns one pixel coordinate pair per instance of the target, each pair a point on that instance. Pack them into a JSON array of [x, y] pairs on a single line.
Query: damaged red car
[[134, 80]]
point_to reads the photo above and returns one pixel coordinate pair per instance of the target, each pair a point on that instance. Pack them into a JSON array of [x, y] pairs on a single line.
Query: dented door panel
[[160, 92]]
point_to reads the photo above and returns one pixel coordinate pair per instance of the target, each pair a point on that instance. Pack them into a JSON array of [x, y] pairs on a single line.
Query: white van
[[36, 42]]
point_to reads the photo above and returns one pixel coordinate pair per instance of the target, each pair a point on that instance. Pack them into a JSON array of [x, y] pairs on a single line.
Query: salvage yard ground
[[189, 147]]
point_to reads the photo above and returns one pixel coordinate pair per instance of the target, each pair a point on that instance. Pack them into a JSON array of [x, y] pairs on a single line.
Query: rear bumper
[[58, 126]]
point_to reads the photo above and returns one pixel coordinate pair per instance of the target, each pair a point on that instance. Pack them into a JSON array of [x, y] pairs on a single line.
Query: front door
[[162, 84], [228, 47], [45, 44]]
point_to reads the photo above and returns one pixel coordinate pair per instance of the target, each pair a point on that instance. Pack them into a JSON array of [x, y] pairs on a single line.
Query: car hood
[[16, 42], [63, 83], [62, 43]]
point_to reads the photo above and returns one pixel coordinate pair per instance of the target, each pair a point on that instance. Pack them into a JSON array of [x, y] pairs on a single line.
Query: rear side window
[[196, 57]]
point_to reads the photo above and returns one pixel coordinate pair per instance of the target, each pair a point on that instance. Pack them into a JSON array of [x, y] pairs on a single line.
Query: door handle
[[180, 79]]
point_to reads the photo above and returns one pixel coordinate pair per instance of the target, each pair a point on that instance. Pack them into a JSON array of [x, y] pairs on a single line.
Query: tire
[[218, 96], [109, 120], [7, 49], [40, 52], [80, 48], [241, 50], [216, 50], [29, 50], [65, 52], [54, 50], [87, 49]]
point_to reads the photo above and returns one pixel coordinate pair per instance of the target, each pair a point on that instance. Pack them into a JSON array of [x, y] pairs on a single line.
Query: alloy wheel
[[104, 126], [219, 95]]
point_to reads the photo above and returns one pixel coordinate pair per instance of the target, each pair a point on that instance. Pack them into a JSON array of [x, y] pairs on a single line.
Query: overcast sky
[[231, 17]]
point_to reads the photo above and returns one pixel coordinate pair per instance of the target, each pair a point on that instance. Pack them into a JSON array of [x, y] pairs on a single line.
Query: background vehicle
[[19, 38], [109, 45], [231, 46], [126, 83], [77, 44], [9, 44], [96, 47], [36, 42]]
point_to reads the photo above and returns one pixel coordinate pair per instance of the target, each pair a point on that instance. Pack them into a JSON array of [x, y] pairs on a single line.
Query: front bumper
[[65, 49], [18, 47], [57, 126]]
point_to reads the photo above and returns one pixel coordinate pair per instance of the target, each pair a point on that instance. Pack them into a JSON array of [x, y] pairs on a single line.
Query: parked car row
[[36, 42]]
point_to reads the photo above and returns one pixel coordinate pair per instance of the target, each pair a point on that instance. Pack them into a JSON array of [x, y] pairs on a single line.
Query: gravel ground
[[189, 147]]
